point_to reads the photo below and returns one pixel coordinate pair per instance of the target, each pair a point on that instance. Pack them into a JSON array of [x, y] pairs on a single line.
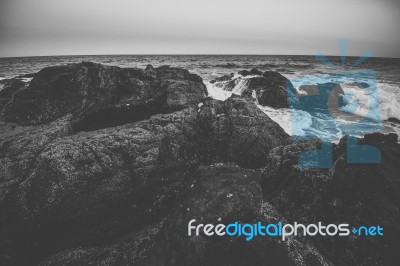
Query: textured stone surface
[[62, 187], [358, 194], [87, 89], [219, 193], [75, 190], [7, 89], [251, 72], [270, 88]]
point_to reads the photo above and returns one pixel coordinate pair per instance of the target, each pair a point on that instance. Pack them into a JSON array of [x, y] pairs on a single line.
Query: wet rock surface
[[269, 88], [74, 191], [222, 78], [272, 89], [251, 72]]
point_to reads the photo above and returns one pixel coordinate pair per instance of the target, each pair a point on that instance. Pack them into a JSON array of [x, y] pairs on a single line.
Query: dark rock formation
[[367, 194], [223, 78], [74, 191], [145, 247], [88, 90], [228, 85], [394, 120], [7, 89], [220, 193], [358, 194], [62, 189], [270, 88], [251, 72], [239, 128]]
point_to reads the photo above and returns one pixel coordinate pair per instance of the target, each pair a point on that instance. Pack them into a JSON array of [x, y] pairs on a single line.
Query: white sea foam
[[215, 74], [382, 107], [240, 86], [389, 98], [281, 116], [287, 118], [388, 95], [217, 92], [303, 124], [357, 101], [1, 85], [241, 83], [27, 80]]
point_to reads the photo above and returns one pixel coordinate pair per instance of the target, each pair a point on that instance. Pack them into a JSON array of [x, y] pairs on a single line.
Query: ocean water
[[299, 69]]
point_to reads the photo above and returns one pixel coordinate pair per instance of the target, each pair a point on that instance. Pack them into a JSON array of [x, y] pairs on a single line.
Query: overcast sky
[[78, 27]]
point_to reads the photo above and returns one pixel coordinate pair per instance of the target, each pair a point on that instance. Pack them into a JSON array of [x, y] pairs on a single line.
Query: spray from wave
[[222, 90], [356, 101]]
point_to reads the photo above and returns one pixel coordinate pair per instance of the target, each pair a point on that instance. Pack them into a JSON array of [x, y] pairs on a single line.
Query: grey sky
[[56, 27]]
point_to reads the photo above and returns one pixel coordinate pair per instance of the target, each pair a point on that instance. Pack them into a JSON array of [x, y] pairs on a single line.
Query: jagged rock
[[74, 191], [394, 120], [7, 89], [287, 185], [88, 90], [239, 128], [251, 72], [21, 145], [212, 194], [19, 148], [228, 85], [90, 188], [224, 194], [271, 89], [223, 78]]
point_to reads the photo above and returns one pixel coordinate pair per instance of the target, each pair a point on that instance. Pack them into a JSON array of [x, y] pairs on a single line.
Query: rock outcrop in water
[[254, 71], [75, 190], [222, 78], [269, 88], [272, 89]]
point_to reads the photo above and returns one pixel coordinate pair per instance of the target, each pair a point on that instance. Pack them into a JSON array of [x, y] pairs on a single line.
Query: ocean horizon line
[[174, 54]]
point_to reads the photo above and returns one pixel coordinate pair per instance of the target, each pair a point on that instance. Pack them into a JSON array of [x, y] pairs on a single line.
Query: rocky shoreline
[[103, 165]]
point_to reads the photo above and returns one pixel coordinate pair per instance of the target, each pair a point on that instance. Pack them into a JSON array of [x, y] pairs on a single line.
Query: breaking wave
[[357, 101], [388, 96]]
